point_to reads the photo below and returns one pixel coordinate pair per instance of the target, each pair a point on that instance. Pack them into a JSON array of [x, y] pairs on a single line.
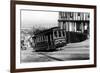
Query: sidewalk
[[79, 44], [73, 51]]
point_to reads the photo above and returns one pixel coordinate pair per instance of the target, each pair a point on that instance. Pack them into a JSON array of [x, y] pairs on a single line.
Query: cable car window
[[55, 33], [59, 33], [50, 37], [34, 40], [46, 38], [38, 39], [42, 38], [63, 33]]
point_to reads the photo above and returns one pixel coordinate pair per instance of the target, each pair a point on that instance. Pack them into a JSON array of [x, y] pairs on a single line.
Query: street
[[72, 51]]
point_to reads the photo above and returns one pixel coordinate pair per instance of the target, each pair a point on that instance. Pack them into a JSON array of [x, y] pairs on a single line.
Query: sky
[[38, 19]]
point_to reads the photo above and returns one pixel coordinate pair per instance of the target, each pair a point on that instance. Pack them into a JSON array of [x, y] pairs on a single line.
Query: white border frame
[[53, 64]]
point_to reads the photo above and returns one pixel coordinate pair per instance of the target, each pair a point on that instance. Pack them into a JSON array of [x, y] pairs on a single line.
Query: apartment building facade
[[76, 25]]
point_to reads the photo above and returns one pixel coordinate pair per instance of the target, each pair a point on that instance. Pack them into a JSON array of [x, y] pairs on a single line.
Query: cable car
[[49, 39]]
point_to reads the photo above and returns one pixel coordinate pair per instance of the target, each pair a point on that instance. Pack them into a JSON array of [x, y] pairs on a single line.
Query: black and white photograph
[[50, 36], [54, 36]]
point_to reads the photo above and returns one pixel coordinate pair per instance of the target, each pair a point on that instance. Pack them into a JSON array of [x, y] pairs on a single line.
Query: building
[[76, 25], [25, 39]]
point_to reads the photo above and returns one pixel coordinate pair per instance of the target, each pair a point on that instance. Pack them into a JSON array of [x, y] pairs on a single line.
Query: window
[[40, 38], [50, 37], [55, 33], [78, 14], [63, 33], [71, 15], [46, 38], [79, 29], [34, 40], [59, 33], [37, 39]]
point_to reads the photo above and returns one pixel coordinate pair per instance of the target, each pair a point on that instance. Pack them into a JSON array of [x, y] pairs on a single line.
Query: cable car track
[[57, 59]]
